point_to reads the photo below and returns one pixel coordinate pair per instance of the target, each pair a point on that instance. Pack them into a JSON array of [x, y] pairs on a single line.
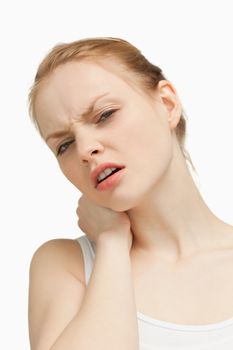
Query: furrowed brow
[[88, 111]]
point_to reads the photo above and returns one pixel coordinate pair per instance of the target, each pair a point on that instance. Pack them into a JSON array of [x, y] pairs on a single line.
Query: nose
[[87, 156], [88, 146]]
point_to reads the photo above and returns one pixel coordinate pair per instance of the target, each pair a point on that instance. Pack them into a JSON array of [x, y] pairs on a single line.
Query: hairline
[[129, 77]]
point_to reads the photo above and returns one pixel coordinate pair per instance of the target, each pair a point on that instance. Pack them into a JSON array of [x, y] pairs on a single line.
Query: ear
[[167, 95]]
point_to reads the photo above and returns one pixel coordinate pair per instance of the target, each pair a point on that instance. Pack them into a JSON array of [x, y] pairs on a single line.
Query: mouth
[[112, 180], [104, 171], [113, 172]]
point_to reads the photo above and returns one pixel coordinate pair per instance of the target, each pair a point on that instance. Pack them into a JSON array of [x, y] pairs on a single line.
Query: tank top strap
[[88, 248]]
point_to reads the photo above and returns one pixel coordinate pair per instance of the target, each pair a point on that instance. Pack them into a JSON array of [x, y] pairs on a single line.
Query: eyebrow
[[87, 112]]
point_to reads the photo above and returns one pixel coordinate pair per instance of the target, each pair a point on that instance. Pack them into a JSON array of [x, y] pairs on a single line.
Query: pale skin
[[181, 253]]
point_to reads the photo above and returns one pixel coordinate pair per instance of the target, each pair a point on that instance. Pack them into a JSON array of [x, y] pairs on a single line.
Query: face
[[127, 126]]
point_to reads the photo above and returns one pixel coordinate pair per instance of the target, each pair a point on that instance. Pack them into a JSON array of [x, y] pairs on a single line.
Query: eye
[[63, 147], [106, 115]]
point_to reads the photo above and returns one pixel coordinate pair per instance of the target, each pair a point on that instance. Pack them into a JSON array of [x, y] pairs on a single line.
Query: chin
[[124, 202]]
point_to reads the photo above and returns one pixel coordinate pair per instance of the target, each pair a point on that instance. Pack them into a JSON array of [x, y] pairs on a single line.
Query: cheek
[[70, 171], [153, 147], [162, 142], [150, 135]]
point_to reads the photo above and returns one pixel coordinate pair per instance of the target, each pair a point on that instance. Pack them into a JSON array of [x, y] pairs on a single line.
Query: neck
[[173, 221]]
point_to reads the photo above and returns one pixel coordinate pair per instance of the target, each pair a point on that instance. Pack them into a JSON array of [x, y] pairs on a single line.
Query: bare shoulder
[[64, 252], [56, 290], [226, 237]]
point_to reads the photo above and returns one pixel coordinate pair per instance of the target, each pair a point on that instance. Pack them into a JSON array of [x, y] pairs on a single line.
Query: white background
[[190, 40]]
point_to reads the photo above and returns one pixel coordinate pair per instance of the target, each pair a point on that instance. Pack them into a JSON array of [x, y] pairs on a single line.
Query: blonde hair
[[149, 74]]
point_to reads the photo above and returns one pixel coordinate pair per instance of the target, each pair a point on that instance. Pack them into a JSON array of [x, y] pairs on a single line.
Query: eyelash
[[111, 111]]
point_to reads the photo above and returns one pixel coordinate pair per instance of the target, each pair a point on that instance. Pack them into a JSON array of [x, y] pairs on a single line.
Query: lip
[[111, 181], [95, 173]]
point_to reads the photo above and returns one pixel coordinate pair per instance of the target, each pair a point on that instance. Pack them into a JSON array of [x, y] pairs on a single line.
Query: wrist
[[112, 239]]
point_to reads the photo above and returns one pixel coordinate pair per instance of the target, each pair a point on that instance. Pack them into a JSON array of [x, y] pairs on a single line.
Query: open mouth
[[113, 172]]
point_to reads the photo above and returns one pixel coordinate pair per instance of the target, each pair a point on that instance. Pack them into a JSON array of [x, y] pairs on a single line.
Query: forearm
[[107, 318]]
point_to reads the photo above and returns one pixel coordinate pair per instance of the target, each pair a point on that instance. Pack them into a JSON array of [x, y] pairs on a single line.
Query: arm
[[106, 317]]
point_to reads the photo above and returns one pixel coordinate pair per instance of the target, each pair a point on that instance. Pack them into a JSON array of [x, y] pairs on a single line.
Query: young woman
[[154, 268]]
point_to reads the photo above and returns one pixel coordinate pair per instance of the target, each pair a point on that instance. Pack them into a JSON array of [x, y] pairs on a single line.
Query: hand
[[96, 221]]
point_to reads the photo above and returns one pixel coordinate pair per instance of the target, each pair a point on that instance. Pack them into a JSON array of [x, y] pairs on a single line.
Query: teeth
[[105, 173]]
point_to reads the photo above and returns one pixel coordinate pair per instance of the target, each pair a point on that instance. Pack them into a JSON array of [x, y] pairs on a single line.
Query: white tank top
[[160, 335]]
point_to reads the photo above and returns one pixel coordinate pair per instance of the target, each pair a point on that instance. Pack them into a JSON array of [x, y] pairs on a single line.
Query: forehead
[[81, 80], [72, 86], [86, 76]]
